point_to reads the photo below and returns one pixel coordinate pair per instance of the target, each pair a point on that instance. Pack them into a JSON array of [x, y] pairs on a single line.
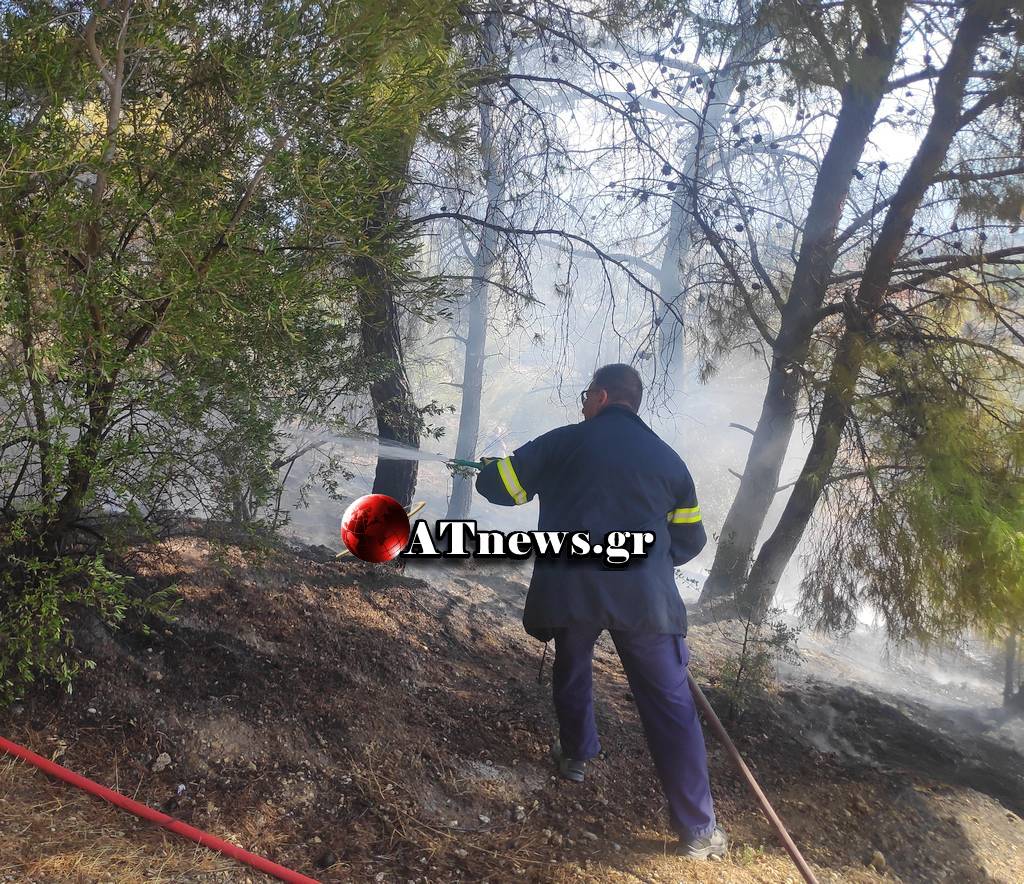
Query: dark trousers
[[655, 666]]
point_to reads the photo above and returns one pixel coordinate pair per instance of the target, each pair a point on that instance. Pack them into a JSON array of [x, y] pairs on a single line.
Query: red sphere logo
[[375, 528]]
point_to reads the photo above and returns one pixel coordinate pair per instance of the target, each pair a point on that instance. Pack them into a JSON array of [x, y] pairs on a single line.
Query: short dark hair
[[622, 383]]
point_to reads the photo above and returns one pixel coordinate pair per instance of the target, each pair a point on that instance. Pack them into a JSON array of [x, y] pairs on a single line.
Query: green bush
[[185, 196], [39, 591], [750, 671]]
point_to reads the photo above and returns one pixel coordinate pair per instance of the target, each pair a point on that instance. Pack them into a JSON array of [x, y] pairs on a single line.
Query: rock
[[590, 836], [163, 761], [460, 853], [154, 675], [548, 834], [877, 860], [484, 819]]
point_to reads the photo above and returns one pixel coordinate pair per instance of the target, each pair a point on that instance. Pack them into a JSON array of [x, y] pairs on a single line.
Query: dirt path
[[357, 724]]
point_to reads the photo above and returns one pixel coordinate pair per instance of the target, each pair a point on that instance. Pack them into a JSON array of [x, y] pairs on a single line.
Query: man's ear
[[601, 398]]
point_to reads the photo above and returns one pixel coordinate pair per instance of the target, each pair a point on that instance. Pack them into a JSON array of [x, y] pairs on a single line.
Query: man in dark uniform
[[612, 473]]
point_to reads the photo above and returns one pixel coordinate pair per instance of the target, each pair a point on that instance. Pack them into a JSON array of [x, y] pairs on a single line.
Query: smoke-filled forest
[[260, 259]]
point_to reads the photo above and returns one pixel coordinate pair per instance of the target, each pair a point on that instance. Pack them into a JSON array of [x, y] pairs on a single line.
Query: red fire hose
[[287, 875], [773, 817], [161, 819]]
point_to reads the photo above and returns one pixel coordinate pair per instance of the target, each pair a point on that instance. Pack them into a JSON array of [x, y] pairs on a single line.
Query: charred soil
[[357, 723]]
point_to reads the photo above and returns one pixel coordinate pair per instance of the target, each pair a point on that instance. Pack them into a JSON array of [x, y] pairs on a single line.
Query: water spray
[[387, 449], [397, 451]]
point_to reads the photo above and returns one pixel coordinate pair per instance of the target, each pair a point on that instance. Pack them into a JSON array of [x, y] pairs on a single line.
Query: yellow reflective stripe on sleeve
[[511, 481], [687, 515]]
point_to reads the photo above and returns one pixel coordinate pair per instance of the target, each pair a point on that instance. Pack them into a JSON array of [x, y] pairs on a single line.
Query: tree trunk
[[1010, 680], [398, 418], [672, 312], [861, 96], [874, 285], [21, 303], [757, 488], [81, 462], [472, 381], [477, 309], [672, 327], [759, 590]]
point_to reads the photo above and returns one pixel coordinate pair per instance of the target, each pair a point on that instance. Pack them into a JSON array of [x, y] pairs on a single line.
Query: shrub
[[750, 671]]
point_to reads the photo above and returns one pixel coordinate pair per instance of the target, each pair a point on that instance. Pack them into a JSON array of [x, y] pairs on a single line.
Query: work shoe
[[568, 768], [713, 845]]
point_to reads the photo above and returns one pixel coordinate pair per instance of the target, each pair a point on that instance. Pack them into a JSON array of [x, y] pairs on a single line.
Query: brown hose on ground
[[773, 817]]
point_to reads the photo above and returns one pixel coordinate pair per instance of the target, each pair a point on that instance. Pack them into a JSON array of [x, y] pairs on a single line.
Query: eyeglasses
[[583, 396]]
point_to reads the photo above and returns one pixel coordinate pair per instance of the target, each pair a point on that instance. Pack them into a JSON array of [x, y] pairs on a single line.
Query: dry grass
[[50, 832], [361, 726]]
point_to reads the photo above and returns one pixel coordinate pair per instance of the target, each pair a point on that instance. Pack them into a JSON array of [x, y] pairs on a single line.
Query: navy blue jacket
[[610, 473]]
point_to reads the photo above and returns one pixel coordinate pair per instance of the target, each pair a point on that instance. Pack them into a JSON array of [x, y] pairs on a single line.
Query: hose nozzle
[[470, 464]]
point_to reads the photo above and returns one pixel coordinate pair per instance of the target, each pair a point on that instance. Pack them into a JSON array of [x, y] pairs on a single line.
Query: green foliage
[[183, 191], [175, 278], [933, 537], [750, 671], [37, 591]]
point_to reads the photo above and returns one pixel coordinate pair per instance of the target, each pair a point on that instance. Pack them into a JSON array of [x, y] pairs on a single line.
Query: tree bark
[[477, 309], [472, 380], [1010, 675], [398, 418], [849, 360], [862, 94], [757, 594], [672, 327], [23, 303], [757, 487], [671, 274]]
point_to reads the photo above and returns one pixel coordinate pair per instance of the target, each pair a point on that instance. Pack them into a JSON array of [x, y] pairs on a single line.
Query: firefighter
[[609, 473]]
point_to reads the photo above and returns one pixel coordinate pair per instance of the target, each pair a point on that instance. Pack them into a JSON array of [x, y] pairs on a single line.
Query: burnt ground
[[355, 723]]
